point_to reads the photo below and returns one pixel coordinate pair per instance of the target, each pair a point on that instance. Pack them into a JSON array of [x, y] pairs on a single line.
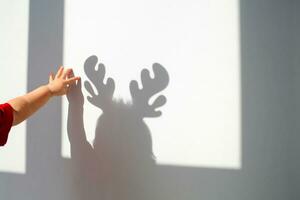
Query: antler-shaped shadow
[[151, 86], [105, 91]]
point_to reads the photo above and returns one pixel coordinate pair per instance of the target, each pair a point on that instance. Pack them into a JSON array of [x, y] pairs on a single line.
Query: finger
[[68, 73], [71, 74], [59, 72], [72, 80], [51, 77]]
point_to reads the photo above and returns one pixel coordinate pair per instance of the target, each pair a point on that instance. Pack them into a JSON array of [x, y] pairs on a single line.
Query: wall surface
[[201, 79], [266, 32], [294, 175], [13, 51], [266, 54]]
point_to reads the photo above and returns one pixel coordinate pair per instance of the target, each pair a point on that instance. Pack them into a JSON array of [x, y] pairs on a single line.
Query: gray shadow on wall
[[120, 164], [265, 50]]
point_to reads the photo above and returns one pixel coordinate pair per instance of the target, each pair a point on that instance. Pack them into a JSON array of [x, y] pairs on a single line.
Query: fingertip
[[72, 80], [77, 78], [59, 72], [68, 73]]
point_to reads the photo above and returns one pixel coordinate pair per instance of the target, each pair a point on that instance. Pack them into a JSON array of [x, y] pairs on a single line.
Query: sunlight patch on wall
[[197, 41], [13, 50]]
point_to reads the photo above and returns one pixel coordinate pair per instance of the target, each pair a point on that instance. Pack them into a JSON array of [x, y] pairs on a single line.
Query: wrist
[[49, 91]]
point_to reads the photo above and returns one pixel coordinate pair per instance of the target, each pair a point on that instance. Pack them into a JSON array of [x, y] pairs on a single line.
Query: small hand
[[60, 84]]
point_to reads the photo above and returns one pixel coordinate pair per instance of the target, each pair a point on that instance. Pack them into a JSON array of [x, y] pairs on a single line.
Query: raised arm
[[24, 106]]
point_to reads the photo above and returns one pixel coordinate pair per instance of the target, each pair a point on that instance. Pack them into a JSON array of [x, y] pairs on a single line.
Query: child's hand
[[59, 85]]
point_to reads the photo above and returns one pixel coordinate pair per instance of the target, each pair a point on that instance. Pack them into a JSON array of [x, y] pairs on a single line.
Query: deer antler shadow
[[120, 164]]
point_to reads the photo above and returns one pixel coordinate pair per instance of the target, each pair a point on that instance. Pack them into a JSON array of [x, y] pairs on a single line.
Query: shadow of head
[[122, 137]]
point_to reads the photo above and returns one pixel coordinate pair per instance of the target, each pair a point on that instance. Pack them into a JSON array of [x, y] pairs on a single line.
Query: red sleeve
[[6, 120]]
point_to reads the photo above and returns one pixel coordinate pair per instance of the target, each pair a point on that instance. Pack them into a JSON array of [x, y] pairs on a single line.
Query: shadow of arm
[[76, 132], [75, 126]]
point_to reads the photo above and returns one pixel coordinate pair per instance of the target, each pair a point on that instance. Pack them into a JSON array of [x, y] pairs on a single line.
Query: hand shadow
[[120, 164]]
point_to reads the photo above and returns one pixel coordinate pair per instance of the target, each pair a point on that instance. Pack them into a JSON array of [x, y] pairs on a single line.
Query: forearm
[[24, 106]]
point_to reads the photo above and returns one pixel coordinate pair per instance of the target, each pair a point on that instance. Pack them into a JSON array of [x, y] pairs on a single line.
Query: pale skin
[[24, 106]]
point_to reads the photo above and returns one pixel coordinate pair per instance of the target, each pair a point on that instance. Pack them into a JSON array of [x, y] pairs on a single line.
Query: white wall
[[266, 91], [202, 113]]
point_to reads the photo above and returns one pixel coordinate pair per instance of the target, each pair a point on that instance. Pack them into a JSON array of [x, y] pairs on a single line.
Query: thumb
[[51, 78]]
